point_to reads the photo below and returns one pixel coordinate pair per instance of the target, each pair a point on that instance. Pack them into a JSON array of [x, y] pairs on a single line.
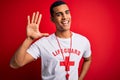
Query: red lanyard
[[67, 59]]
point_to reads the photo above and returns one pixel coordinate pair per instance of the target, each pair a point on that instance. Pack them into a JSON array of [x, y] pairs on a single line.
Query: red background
[[96, 19]]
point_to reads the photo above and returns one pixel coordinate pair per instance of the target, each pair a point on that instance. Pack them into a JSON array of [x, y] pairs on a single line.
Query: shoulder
[[81, 39], [79, 36]]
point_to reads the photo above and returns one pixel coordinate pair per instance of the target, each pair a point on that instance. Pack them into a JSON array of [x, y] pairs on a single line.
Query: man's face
[[61, 17]]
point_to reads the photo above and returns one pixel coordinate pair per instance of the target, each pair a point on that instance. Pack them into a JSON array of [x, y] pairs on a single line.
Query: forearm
[[85, 67], [18, 59], [21, 57]]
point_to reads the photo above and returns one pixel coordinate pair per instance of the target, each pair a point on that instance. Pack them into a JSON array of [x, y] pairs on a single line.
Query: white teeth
[[65, 22]]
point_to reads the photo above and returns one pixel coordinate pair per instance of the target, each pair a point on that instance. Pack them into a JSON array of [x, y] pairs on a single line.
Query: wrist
[[81, 79], [29, 40]]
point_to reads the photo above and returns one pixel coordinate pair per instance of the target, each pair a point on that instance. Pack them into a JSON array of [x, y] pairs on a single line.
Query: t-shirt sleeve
[[87, 52], [34, 51]]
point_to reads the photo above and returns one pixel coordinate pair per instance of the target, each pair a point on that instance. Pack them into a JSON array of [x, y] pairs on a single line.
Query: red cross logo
[[67, 63]]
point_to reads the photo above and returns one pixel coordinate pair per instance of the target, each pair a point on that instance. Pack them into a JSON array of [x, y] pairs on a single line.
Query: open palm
[[33, 27]]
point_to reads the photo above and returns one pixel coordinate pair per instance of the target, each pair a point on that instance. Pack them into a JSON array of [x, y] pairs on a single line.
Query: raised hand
[[33, 27]]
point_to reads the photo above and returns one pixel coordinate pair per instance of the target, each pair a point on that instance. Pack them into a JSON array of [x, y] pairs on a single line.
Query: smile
[[66, 22]]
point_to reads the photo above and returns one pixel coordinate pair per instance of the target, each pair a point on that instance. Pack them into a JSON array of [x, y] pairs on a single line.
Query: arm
[[85, 67], [21, 57]]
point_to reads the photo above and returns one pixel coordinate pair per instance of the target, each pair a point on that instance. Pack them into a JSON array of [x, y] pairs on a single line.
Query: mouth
[[65, 22]]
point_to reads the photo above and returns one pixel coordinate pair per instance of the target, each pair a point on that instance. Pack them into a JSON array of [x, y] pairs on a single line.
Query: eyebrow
[[67, 10], [61, 12]]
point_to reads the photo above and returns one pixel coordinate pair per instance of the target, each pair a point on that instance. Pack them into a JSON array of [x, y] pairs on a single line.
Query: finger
[[28, 18], [33, 17], [39, 19], [36, 17]]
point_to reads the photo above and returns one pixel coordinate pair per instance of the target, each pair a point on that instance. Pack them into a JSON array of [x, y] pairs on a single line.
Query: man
[[60, 52]]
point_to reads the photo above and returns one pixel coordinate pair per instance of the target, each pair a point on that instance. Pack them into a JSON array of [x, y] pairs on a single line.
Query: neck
[[63, 34]]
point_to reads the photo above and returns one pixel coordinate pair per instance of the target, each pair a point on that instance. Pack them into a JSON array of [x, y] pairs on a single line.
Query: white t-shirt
[[48, 49]]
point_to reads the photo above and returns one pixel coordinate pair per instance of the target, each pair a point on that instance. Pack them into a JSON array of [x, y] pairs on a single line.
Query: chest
[[52, 51]]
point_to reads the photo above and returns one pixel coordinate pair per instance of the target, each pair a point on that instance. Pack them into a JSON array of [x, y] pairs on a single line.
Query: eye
[[67, 11], [58, 14]]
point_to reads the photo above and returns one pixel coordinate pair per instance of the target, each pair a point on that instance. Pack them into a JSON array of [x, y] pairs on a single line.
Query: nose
[[64, 16]]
